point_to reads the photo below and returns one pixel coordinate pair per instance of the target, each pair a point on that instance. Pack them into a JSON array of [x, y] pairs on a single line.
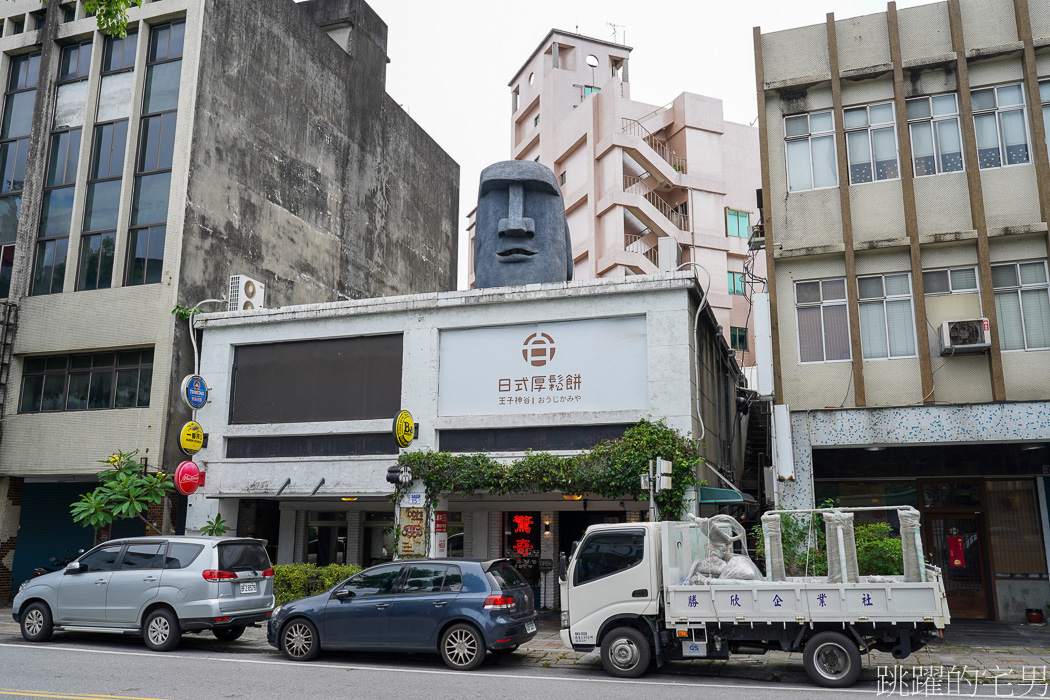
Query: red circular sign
[[187, 478]]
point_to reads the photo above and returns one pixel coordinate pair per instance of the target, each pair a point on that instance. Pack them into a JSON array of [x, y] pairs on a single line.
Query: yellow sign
[[192, 438], [404, 429]]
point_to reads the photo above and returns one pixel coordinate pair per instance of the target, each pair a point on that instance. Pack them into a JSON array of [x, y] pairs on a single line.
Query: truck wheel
[[625, 653], [832, 660]]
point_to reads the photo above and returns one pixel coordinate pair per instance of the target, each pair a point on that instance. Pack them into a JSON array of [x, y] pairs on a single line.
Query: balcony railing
[[633, 243], [634, 185], [635, 128]]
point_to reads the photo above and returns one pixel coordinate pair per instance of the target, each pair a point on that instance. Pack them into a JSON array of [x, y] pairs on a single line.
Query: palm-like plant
[[126, 491]]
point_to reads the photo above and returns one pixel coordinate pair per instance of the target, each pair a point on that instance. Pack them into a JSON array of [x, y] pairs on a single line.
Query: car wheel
[[625, 653], [832, 660], [161, 630], [36, 623], [228, 634], [462, 647], [299, 640]]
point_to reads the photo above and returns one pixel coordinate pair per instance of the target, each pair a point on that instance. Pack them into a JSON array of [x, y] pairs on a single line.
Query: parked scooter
[[56, 564]]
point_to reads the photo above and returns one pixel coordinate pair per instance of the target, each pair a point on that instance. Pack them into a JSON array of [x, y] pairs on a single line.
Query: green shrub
[[293, 581], [879, 551]]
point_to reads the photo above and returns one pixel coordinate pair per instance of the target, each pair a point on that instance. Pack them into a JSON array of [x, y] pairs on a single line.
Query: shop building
[[299, 425], [907, 181]]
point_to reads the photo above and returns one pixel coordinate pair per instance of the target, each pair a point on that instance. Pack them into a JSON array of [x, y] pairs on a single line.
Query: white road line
[[779, 687]]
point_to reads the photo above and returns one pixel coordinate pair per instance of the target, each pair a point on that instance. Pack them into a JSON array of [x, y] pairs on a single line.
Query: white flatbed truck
[[630, 590]]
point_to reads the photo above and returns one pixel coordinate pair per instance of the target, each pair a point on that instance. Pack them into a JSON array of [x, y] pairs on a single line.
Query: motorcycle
[[56, 564]]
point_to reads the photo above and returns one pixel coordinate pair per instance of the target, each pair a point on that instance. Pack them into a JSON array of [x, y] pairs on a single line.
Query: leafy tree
[[111, 15], [126, 491]]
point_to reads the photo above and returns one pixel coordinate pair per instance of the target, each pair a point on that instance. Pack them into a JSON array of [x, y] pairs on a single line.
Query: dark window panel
[[103, 359], [311, 446], [35, 364], [57, 212], [146, 255], [119, 53], [178, 37], [158, 42], [107, 156], [317, 380], [18, 114], [9, 208], [147, 356], [101, 389], [149, 204], [156, 143], [90, 250], [77, 399], [569, 437], [25, 70], [127, 388], [80, 362], [32, 392], [54, 392], [155, 254], [102, 206], [7, 261], [162, 87], [145, 380], [13, 165], [76, 61], [128, 358], [50, 266], [65, 152], [57, 363]]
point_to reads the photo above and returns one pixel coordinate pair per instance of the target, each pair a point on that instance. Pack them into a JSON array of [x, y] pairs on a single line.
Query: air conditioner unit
[[965, 337], [246, 294]]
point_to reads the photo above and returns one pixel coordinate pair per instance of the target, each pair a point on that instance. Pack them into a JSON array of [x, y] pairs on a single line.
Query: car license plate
[[530, 627], [250, 587]]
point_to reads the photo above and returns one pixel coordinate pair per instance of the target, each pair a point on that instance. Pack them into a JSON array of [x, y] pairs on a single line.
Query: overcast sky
[[450, 61]]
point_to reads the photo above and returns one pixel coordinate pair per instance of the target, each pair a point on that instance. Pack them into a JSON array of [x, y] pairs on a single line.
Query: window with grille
[[871, 143], [1002, 131], [887, 324], [1022, 305], [1016, 538], [810, 144], [933, 125], [823, 321]]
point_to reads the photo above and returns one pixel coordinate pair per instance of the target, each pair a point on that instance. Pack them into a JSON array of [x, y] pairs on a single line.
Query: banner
[[590, 365]]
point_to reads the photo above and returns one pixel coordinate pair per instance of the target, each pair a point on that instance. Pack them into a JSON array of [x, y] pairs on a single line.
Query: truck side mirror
[[563, 567], [572, 549]]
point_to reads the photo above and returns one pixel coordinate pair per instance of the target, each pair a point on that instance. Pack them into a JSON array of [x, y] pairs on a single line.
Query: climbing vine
[[610, 470]]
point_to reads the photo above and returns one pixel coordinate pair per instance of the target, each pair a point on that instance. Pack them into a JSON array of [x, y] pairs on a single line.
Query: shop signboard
[[194, 392], [587, 365], [412, 532]]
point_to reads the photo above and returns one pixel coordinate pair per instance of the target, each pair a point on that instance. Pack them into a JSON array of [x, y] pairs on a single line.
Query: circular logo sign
[[194, 392], [191, 439], [187, 478], [538, 349], [404, 429]]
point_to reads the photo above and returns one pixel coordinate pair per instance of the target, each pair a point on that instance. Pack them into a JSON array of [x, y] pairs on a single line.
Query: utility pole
[[658, 479]]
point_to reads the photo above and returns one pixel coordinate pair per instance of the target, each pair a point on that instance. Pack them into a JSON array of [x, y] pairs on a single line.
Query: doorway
[[954, 527], [573, 523]]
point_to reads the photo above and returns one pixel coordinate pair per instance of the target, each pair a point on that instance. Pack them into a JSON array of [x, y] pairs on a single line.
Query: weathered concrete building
[[217, 139], [646, 187], [907, 182]]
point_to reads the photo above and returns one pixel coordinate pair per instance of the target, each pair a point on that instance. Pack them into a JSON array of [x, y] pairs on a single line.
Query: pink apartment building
[[646, 188]]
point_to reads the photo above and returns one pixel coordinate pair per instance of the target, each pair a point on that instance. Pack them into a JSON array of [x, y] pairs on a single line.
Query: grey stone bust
[[521, 235]]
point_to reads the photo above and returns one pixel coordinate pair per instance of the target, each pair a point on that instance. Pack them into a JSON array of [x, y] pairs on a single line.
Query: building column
[[10, 516], [286, 538], [548, 546], [353, 537]]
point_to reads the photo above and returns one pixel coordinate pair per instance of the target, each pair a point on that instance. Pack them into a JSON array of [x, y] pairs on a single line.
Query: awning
[[709, 495]]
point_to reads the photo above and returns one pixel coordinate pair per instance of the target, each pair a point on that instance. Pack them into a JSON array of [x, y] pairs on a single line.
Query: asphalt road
[[85, 667]]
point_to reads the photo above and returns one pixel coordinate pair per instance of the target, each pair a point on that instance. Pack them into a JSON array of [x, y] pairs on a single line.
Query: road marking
[[777, 687], [31, 694]]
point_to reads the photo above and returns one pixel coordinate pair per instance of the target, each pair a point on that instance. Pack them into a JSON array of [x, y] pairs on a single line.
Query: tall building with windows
[[215, 139], [646, 187], [907, 182]]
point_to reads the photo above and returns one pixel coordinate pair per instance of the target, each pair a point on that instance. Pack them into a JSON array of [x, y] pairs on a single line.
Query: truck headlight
[[565, 619]]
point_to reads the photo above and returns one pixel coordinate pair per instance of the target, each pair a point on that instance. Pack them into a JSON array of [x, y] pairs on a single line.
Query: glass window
[[119, 53], [1022, 305], [933, 123], [607, 554], [1015, 537], [7, 261], [75, 61], [504, 576], [181, 554], [79, 382], [811, 151], [424, 579], [736, 283], [149, 203], [960, 280], [823, 321], [102, 559], [243, 556], [50, 269], [871, 143], [738, 338], [142, 556], [103, 205], [999, 120], [145, 255], [70, 105], [377, 581], [162, 87], [65, 152], [887, 326], [738, 223], [114, 96]]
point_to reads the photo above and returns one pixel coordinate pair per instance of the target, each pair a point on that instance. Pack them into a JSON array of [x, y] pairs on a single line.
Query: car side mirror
[[343, 594], [75, 567], [563, 567]]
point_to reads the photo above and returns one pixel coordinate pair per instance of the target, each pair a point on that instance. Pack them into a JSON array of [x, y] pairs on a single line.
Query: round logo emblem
[[187, 478], [538, 349], [404, 429], [191, 439], [194, 392]]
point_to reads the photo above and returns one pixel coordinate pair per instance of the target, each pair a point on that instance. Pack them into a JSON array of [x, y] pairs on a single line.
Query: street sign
[[191, 439], [194, 392], [187, 478], [546, 565], [404, 429]]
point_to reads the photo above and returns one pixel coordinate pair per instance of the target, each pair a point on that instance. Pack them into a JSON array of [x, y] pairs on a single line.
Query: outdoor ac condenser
[[965, 337], [246, 294]]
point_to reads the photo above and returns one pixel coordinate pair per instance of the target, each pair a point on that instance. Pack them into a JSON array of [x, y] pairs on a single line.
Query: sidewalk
[[976, 652]]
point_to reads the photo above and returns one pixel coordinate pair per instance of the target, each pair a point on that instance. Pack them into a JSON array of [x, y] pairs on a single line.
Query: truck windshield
[[608, 553]]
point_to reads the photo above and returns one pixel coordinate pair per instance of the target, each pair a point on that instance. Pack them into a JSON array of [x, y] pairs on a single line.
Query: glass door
[[953, 523]]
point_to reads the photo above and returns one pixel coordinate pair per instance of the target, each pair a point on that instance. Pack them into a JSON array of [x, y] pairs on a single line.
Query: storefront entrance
[[573, 523], [954, 528]]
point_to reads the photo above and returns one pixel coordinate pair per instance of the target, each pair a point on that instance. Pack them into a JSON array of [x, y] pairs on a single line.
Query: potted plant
[[1035, 615]]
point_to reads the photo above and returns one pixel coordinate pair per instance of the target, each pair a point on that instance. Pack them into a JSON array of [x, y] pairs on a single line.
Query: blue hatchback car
[[459, 608]]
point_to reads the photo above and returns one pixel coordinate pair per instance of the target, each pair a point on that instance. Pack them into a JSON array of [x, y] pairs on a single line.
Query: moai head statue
[[521, 235]]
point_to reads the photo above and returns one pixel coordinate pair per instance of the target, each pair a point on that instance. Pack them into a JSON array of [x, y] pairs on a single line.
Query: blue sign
[[194, 392]]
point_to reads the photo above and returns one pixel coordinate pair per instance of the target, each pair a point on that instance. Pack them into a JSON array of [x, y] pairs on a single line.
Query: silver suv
[[156, 587]]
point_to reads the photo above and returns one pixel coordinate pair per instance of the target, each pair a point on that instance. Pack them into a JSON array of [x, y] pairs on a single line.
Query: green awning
[[709, 495]]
